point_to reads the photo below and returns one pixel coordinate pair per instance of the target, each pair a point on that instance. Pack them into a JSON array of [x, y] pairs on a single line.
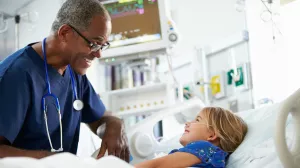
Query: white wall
[[291, 29], [41, 28], [274, 64], [7, 40], [202, 22]]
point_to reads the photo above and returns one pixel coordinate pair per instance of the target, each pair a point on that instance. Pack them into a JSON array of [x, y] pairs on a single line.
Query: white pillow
[[261, 125]]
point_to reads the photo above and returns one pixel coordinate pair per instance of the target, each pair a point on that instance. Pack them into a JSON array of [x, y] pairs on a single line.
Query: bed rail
[[289, 158]]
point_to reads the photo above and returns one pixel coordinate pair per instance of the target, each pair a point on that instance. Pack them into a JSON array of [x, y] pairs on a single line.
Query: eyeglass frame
[[94, 47]]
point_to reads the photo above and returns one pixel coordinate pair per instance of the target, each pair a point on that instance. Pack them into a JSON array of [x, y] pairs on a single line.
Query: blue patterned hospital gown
[[210, 155]]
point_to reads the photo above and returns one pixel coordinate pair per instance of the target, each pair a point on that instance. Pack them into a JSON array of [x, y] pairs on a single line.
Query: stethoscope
[[77, 104]]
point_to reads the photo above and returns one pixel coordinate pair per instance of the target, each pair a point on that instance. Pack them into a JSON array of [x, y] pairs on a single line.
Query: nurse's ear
[[65, 33]]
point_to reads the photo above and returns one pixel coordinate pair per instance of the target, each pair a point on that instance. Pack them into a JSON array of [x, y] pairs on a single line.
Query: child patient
[[207, 141]]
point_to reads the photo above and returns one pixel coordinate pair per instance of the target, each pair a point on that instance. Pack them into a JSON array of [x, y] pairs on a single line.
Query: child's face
[[196, 130]]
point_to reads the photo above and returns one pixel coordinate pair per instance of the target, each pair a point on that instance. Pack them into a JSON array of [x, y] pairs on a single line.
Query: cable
[[171, 68], [266, 6], [271, 13], [5, 24], [5, 28]]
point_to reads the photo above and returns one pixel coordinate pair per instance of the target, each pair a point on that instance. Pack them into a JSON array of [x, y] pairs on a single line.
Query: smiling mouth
[[88, 60]]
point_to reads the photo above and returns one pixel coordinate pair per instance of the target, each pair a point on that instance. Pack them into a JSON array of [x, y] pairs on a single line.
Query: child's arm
[[178, 159]]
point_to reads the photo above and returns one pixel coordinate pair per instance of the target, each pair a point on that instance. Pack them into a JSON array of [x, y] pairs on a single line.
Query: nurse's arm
[[6, 150], [105, 119], [111, 122]]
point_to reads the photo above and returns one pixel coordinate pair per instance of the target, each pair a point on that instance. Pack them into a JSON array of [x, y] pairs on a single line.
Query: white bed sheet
[[64, 160], [88, 143]]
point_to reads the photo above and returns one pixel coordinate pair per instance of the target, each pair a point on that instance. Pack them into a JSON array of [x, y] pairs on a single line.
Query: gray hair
[[79, 14]]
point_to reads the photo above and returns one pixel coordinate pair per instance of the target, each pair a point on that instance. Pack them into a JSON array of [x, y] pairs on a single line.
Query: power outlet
[[233, 105]]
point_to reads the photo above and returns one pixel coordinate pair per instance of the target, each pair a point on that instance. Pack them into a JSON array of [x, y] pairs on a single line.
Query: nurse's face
[[196, 130], [89, 44]]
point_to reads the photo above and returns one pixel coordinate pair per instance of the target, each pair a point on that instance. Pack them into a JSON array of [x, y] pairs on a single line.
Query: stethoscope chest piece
[[78, 105]]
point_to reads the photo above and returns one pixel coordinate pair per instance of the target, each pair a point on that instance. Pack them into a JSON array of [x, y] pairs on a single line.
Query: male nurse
[[45, 94]]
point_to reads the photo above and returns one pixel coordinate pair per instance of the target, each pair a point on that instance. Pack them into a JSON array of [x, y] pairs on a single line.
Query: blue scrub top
[[22, 85]]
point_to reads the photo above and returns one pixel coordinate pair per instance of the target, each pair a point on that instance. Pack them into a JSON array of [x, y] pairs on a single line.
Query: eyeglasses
[[94, 47]]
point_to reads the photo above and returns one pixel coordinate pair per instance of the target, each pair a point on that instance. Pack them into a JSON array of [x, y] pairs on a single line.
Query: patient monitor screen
[[134, 22]]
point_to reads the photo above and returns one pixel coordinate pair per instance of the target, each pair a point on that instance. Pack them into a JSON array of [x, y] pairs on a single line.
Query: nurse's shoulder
[[23, 60]]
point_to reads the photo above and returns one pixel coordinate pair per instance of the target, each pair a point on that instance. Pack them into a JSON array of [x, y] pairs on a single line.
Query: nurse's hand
[[115, 141]]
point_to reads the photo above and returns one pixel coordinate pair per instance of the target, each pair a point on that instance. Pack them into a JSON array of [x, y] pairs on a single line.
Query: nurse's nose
[[97, 54]]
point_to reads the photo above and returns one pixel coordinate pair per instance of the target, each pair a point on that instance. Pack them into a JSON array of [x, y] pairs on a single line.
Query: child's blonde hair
[[230, 128]]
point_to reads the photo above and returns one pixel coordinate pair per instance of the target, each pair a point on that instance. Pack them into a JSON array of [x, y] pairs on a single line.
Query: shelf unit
[[139, 100]]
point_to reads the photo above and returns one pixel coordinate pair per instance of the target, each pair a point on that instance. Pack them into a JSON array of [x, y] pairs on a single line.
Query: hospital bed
[[273, 140]]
